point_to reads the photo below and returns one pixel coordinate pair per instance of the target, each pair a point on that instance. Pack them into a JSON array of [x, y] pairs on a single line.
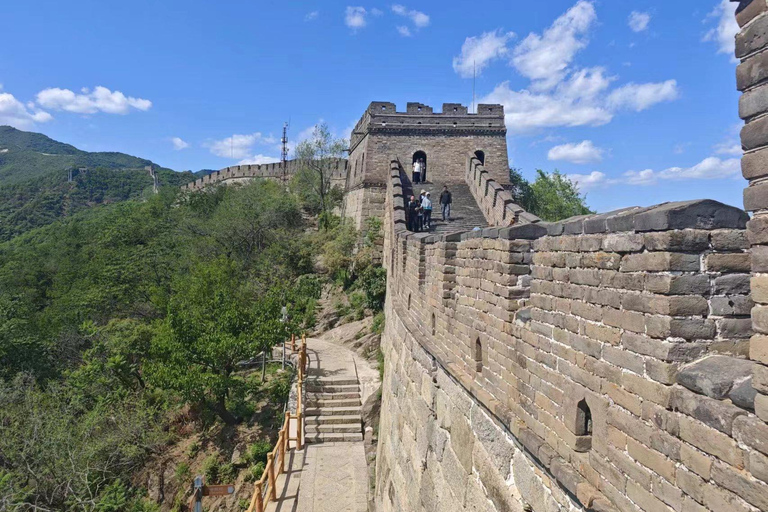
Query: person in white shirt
[[416, 178], [426, 205]]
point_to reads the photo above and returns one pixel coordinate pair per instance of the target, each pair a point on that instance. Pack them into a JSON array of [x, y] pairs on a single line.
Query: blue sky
[[635, 100]]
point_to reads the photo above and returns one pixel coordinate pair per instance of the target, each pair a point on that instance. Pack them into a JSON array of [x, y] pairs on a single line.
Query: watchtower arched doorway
[[421, 156], [480, 155]]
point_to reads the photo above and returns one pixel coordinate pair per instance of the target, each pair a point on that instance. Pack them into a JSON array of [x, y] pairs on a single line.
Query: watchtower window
[[455, 109], [419, 109], [434, 325], [480, 155], [583, 419], [478, 355], [409, 301], [383, 107], [421, 155]]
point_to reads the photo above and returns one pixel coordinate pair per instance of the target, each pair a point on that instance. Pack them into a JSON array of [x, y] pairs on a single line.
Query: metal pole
[[198, 494]]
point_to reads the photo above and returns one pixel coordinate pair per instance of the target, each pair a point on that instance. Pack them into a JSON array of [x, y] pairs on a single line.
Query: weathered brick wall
[[496, 203], [498, 341], [244, 173], [751, 75]]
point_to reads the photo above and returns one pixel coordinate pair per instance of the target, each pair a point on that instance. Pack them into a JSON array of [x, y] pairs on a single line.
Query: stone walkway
[[329, 476]]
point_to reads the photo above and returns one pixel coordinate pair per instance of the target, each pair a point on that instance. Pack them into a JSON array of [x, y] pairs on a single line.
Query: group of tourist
[[419, 171], [420, 210]]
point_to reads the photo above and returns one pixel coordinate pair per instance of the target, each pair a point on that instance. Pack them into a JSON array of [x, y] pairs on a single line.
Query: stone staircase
[[465, 213], [333, 410]]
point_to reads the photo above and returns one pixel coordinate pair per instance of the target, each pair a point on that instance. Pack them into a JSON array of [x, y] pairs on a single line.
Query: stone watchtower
[[446, 140]]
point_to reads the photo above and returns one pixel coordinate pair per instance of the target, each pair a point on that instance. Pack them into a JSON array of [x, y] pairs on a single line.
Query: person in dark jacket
[[445, 203], [413, 213]]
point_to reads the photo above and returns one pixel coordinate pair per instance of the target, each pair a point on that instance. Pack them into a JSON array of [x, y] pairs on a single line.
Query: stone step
[[465, 213], [334, 428], [345, 388], [333, 438], [331, 381], [343, 402], [332, 396], [333, 411], [334, 419]]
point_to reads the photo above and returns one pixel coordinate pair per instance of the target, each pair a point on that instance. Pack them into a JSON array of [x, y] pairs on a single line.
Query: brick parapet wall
[[239, 173], [496, 203], [643, 314], [751, 76]]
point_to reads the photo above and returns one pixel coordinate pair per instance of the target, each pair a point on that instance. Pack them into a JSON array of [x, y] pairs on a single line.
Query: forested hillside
[[34, 190], [122, 332], [27, 155]]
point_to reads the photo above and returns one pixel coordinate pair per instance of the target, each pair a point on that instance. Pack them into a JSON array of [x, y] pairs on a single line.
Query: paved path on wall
[[328, 477], [465, 213]]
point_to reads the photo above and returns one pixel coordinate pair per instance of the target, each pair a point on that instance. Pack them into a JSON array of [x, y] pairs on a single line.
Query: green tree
[[552, 196], [317, 157], [214, 321]]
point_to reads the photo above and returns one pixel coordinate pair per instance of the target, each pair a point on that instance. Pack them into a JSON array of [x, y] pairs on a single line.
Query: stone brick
[[728, 262], [750, 11], [730, 328], [752, 38], [713, 413], [758, 466], [699, 214], [732, 284], [660, 262], [760, 319], [651, 459], [734, 305], [623, 242], [695, 461], [757, 230], [729, 239], [752, 71], [711, 441], [758, 348], [755, 164], [685, 240], [756, 197], [759, 256], [751, 491], [677, 285], [714, 376]]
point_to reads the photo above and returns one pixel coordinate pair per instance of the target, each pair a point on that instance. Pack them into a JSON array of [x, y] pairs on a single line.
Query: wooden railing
[[264, 490]]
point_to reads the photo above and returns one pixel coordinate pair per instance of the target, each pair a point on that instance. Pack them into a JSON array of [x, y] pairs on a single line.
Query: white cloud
[[238, 146], [100, 99], [708, 169], [545, 58], [311, 15], [639, 97], [526, 111], [258, 160], [584, 152], [638, 21], [355, 17], [404, 31], [15, 113], [559, 94], [418, 18], [724, 34], [590, 181], [376, 12], [729, 148], [179, 143], [477, 52]]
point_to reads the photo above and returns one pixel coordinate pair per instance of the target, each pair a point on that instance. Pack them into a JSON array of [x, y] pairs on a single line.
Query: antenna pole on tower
[[284, 155]]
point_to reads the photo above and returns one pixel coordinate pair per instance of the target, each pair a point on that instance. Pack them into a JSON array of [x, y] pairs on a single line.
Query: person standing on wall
[[426, 206], [413, 212], [416, 176], [445, 203]]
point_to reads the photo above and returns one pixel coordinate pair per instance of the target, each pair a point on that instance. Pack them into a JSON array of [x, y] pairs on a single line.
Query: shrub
[[193, 449], [182, 473], [373, 280], [227, 473], [211, 469], [257, 452], [256, 471], [377, 326]]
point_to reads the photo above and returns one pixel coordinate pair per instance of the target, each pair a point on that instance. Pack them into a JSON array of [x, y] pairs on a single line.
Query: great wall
[[610, 362]]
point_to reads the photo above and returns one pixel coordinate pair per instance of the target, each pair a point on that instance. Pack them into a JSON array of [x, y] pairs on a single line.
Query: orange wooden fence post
[[259, 498], [271, 477], [293, 343]]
